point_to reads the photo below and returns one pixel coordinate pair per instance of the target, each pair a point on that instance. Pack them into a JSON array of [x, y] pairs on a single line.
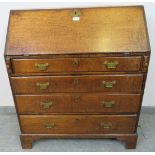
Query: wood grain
[[76, 53], [83, 83], [130, 140], [75, 124], [113, 29], [96, 64], [77, 103]]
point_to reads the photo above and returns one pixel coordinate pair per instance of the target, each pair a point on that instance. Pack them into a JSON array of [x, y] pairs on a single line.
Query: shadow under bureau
[[78, 73]]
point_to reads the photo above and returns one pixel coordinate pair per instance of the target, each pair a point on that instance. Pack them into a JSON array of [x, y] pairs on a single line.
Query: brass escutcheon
[[76, 99], [76, 81], [76, 63], [75, 13]]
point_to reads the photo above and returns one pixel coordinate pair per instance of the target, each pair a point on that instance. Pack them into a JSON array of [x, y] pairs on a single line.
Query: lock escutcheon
[[76, 81], [76, 13], [76, 63], [76, 99]]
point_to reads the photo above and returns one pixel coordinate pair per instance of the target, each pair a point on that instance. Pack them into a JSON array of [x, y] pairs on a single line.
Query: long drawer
[[77, 124], [93, 83], [62, 65], [77, 103]]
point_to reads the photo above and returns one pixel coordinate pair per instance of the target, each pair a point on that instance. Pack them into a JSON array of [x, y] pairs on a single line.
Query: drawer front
[[96, 83], [62, 65], [77, 103], [77, 124]]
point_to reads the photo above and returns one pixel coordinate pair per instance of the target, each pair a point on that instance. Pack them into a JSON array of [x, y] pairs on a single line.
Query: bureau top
[[73, 31]]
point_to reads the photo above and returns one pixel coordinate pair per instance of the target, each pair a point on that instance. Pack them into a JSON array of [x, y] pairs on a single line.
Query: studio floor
[[10, 142]]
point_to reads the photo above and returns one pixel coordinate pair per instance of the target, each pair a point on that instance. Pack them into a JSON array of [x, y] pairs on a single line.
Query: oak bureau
[[78, 73]]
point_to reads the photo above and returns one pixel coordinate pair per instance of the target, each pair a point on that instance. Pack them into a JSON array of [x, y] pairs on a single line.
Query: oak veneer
[[77, 124], [78, 79], [61, 65], [113, 29], [78, 103], [83, 83]]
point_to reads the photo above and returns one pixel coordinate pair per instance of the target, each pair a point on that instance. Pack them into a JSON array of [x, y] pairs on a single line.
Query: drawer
[[77, 103], [96, 83], [62, 65], [77, 124]]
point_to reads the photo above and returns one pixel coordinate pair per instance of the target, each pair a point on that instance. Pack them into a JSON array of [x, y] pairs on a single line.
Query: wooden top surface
[[99, 30]]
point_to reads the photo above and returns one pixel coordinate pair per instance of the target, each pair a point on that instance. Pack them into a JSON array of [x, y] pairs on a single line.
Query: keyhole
[[75, 15]]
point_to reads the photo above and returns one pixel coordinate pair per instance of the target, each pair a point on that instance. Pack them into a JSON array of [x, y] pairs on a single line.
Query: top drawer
[[64, 65]]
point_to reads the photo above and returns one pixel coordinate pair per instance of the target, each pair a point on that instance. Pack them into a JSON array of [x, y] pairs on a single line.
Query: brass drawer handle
[[108, 84], [76, 63], [49, 125], [107, 104], [42, 67], [46, 105], [43, 86], [111, 65], [105, 125]]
